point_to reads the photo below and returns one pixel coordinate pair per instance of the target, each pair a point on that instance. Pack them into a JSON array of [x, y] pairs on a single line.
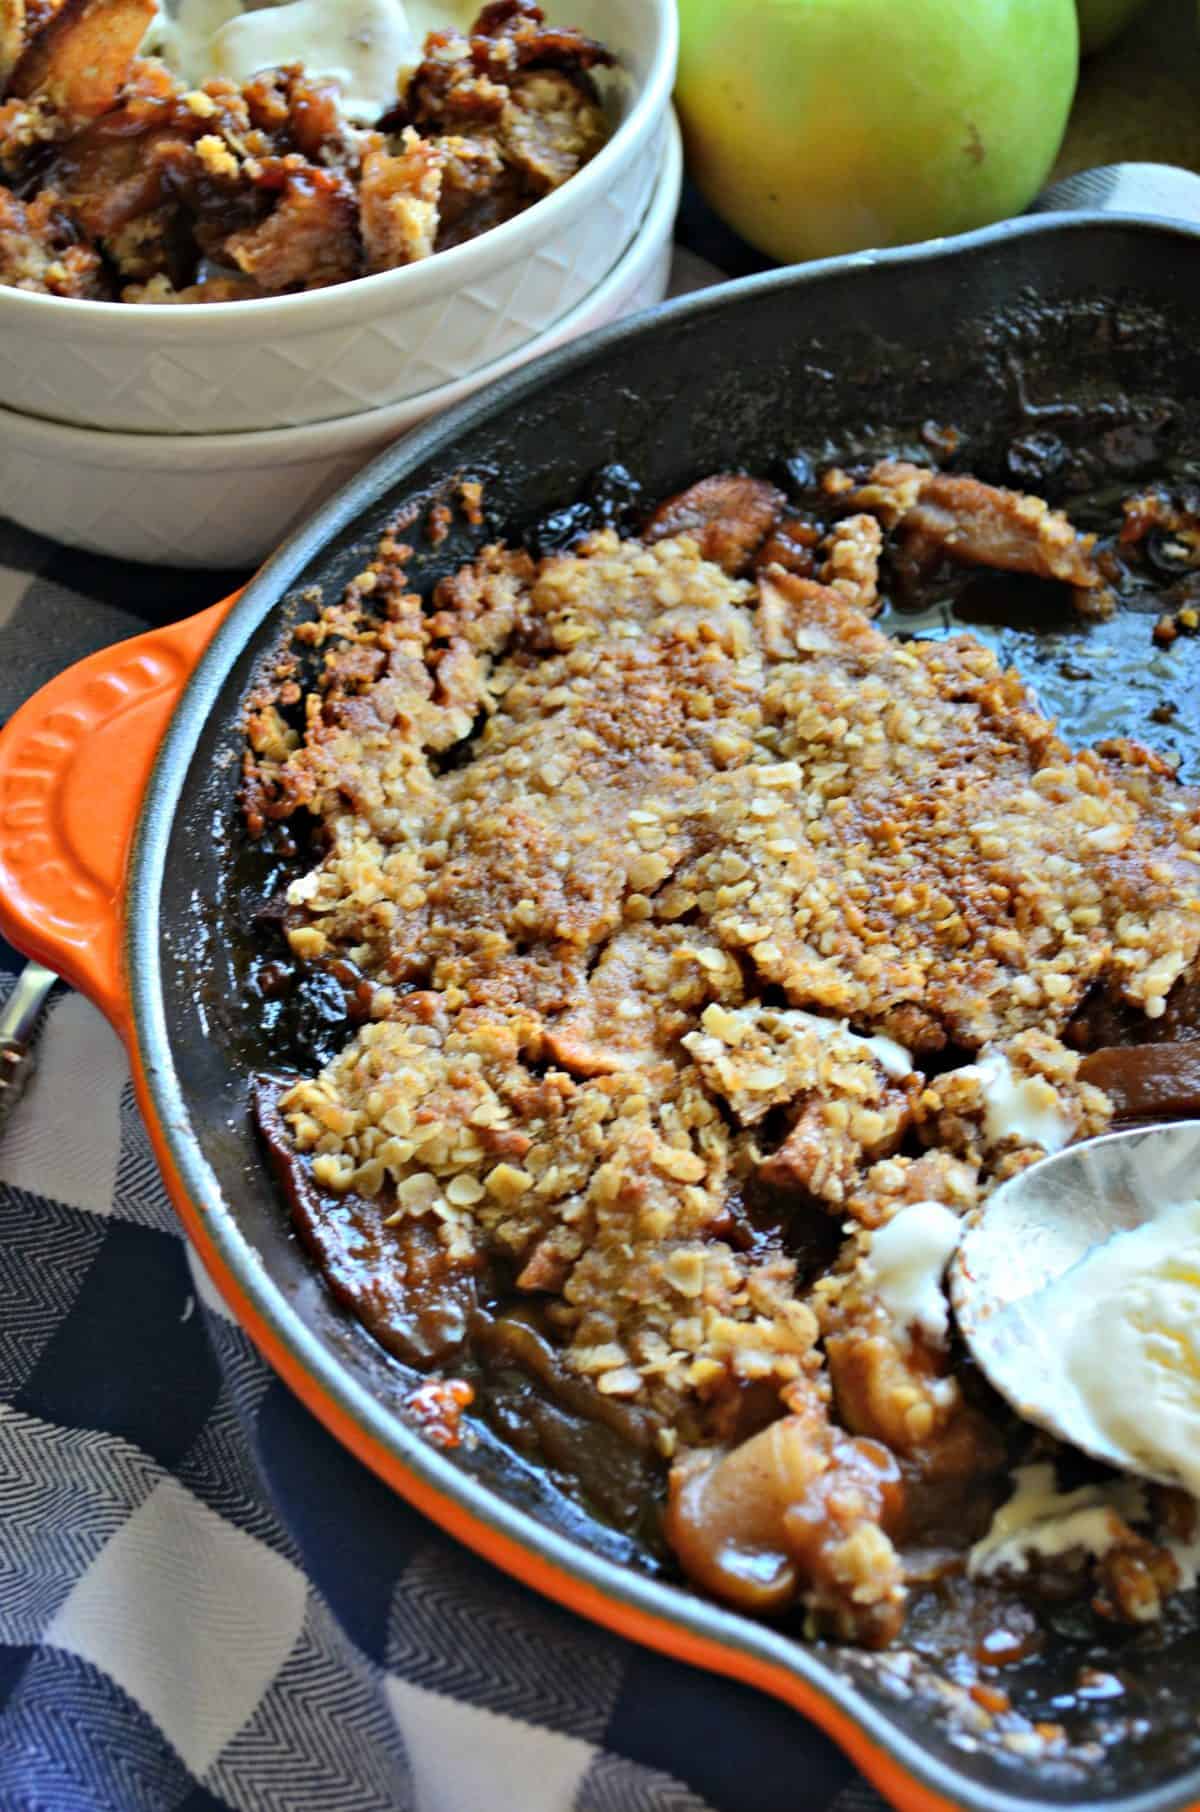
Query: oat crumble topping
[[673, 881]]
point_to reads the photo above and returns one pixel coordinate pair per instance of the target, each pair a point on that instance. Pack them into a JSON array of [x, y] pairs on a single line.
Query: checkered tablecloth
[[205, 1603]]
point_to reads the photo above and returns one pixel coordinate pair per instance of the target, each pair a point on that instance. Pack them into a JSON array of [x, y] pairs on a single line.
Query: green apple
[[1100, 21], [825, 126]]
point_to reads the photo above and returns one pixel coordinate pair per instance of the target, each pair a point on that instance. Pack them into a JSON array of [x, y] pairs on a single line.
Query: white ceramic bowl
[[222, 368], [229, 499]]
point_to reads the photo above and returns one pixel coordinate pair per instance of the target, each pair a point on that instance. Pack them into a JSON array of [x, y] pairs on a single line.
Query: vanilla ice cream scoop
[[1078, 1292], [359, 44]]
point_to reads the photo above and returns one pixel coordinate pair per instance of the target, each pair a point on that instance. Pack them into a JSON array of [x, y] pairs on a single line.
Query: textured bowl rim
[[304, 441], [342, 303]]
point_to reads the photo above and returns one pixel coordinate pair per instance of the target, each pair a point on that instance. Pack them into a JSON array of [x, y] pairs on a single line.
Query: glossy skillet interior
[[982, 334]]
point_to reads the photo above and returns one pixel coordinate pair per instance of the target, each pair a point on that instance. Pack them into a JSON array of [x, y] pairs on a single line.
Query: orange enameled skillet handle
[[74, 762]]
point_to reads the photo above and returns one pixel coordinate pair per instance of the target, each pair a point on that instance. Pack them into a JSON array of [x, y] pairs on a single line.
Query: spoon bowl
[[1033, 1231]]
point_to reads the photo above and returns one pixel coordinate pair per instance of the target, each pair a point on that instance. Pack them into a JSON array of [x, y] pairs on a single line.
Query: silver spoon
[[1035, 1228], [18, 1021]]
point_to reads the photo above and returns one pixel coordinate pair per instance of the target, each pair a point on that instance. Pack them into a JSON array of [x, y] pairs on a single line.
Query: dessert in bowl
[[125, 181], [227, 500]]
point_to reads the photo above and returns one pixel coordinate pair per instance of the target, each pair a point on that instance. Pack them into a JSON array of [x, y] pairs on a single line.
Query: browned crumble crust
[[40, 250], [942, 513], [716, 850]]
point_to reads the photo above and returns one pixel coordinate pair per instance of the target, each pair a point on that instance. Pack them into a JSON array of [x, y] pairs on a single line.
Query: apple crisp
[[119, 182], [683, 907]]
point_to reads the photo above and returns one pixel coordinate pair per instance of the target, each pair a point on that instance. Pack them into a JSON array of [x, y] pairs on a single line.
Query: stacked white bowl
[[198, 435]]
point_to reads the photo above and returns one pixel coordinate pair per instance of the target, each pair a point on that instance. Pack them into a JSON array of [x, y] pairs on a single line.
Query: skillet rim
[[753, 1649]]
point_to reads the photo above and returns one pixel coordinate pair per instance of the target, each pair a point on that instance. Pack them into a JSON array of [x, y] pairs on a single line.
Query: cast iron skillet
[[1071, 338]]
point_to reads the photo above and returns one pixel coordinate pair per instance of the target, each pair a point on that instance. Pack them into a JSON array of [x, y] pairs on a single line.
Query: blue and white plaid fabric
[[205, 1604]]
